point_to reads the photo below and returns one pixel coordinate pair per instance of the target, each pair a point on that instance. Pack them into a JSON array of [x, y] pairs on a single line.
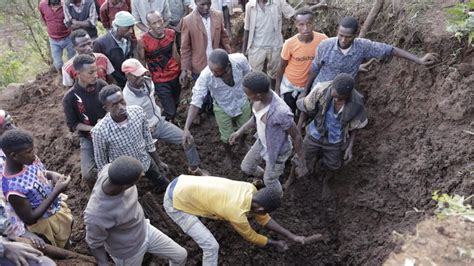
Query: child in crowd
[[32, 191]]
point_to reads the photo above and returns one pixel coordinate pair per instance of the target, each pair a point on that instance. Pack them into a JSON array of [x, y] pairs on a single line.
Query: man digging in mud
[[220, 198], [275, 124], [345, 54], [83, 109], [223, 78], [340, 111], [115, 221]]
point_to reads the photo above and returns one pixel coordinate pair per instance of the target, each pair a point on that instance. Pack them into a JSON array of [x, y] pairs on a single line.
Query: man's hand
[[281, 245], [300, 166], [187, 138], [234, 137], [366, 66], [184, 77], [299, 239], [348, 155], [164, 167], [20, 253], [62, 183], [429, 59]]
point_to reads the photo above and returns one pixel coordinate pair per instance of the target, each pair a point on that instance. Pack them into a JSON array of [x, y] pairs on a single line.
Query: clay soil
[[413, 145]]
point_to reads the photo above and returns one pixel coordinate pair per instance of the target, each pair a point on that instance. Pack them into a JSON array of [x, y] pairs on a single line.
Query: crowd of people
[[123, 92]]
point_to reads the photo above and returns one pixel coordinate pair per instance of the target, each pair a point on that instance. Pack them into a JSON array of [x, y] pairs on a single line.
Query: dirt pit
[[414, 144]]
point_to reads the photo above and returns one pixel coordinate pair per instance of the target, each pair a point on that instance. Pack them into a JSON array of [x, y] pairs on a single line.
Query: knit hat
[[124, 19], [134, 67]]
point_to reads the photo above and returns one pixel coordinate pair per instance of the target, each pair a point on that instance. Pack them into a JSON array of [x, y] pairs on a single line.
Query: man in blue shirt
[[345, 53], [340, 111]]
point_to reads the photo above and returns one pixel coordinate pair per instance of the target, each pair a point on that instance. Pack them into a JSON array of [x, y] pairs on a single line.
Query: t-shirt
[[31, 183], [159, 56], [114, 222], [104, 68], [82, 105], [300, 55], [219, 198]]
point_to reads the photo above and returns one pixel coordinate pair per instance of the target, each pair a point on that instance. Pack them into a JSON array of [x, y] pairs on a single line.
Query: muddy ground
[[413, 145]]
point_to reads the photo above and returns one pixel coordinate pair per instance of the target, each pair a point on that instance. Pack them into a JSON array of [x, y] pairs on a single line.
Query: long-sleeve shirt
[[53, 17], [132, 137], [141, 7], [82, 105], [230, 99], [114, 222], [331, 61], [220, 198]]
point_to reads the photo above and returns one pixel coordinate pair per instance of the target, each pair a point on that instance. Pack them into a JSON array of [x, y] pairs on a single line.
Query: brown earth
[[414, 144]]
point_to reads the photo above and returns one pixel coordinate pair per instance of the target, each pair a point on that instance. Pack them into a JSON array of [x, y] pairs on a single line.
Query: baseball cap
[[134, 67]]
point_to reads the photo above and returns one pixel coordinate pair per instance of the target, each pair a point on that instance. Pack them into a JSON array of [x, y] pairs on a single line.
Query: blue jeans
[[57, 47]]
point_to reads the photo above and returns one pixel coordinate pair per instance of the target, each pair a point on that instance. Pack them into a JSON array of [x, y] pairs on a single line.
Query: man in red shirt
[[111, 7], [157, 48], [82, 43], [52, 15]]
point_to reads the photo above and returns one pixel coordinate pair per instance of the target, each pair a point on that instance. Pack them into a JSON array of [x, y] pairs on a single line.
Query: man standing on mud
[[340, 112], [223, 79], [188, 197], [81, 14], [117, 44], [83, 45], [262, 33], [157, 48], [124, 131], [52, 15], [83, 109]]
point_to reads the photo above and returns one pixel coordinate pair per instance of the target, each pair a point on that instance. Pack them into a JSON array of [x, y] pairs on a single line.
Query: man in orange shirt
[[296, 56]]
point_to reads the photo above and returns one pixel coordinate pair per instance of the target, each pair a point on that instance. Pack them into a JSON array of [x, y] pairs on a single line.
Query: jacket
[[107, 45], [194, 39]]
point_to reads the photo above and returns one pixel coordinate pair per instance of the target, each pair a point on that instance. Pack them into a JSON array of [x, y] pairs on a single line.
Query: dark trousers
[[156, 176], [168, 93], [290, 100], [207, 103]]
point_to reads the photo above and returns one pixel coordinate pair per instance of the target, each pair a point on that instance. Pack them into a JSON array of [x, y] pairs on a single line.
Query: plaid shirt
[[112, 140]]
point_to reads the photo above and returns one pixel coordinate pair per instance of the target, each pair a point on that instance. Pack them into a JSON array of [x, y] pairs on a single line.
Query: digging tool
[[153, 209], [58, 253]]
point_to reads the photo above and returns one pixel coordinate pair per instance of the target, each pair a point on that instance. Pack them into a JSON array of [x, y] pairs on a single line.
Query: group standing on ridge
[[122, 93]]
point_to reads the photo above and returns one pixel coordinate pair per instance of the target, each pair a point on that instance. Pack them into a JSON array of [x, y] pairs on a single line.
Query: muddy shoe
[[199, 172], [258, 183]]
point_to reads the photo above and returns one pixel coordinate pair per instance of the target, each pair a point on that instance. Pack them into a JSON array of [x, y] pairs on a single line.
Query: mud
[[413, 145]]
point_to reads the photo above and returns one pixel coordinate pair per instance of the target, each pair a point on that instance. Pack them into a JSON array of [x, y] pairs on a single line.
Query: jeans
[[88, 166], [272, 173], [330, 154], [169, 132], [57, 47], [159, 244], [194, 228]]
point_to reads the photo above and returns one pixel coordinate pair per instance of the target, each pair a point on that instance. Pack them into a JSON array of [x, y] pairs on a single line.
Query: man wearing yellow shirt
[[219, 198]]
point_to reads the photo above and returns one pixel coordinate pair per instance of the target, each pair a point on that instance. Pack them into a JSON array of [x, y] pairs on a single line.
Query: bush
[[461, 21]]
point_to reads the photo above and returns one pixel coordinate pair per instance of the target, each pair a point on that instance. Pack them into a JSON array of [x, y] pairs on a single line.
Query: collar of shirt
[[89, 89], [351, 48]]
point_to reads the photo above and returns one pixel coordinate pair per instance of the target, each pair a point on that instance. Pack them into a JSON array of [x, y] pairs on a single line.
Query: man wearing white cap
[[140, 91], [117, 44]]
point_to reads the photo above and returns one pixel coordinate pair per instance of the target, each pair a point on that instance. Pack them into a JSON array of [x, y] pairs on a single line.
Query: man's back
[[118, 222]]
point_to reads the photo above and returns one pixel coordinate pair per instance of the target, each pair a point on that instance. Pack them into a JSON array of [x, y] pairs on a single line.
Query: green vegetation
[[452, 206], [24, 50], [461, 21]]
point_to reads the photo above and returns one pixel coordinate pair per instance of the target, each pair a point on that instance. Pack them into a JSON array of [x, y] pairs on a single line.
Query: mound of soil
[[414, 144], [436, 242]]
